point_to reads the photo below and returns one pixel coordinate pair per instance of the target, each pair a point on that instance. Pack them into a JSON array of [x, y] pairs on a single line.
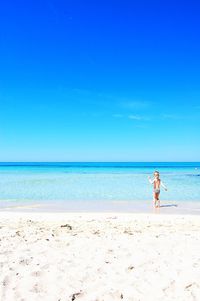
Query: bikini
[[156, 190]]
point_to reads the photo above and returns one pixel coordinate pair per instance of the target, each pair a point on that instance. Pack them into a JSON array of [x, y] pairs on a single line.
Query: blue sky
[[99, 81]]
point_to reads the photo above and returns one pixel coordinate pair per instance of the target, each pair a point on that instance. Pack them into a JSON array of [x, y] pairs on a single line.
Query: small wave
[[192, 175]]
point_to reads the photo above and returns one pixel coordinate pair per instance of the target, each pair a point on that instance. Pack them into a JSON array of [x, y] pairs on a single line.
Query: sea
[[96, 185]]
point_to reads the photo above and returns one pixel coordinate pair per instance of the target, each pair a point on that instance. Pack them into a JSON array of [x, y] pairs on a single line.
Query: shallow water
[[28, 183]]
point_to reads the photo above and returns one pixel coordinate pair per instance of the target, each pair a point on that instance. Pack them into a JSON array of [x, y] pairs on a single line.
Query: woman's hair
[[156, 172]]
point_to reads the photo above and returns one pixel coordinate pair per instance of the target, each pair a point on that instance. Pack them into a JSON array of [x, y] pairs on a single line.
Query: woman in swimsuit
[[156, 188]]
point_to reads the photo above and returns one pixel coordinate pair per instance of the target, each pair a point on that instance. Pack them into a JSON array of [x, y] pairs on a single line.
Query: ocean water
[[25, 183]]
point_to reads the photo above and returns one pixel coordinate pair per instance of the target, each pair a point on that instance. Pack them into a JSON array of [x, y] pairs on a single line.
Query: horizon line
[[99, 162]]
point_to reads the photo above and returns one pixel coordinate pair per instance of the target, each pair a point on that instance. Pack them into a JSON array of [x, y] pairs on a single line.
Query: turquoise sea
[[93, 183]]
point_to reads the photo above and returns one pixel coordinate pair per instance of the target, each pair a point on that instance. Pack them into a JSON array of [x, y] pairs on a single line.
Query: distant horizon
[[99, 162]]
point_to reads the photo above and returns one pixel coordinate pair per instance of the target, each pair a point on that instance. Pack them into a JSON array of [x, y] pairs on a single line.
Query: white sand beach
[[99, 256]]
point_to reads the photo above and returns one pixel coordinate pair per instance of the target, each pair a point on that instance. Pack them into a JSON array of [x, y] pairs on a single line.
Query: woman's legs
[[156, 200]]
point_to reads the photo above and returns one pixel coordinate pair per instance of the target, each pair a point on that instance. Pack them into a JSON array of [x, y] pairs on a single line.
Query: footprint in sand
[[6, 281], [36, 273]]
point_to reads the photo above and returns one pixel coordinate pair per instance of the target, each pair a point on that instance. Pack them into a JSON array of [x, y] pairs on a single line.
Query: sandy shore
[[100, 256]]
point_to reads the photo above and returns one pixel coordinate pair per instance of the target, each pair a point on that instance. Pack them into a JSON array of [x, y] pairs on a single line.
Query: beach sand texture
[[104, 257]]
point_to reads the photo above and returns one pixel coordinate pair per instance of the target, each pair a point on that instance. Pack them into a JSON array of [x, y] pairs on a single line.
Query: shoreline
[[167, 207]]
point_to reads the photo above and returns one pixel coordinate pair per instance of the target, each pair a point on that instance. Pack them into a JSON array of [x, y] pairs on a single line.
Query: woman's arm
[[150, 180], [161, 183]]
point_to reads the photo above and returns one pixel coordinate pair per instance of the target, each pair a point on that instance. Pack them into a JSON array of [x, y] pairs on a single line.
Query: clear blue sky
[[99, 80]]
